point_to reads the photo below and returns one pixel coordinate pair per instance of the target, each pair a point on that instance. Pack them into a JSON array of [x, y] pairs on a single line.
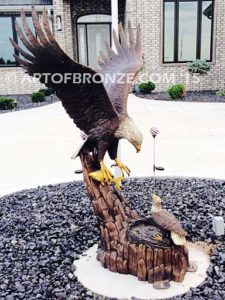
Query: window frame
[[176, 31], [13, 17]]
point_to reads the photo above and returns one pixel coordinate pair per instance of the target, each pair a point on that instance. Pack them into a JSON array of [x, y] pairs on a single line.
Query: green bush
[[146, 87], [38, 97], [199, 67], [177, 91], [7, 103], [47, 92], [220, 93]]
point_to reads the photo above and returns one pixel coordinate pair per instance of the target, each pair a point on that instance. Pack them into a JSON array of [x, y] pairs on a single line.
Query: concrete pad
[[108, 284]]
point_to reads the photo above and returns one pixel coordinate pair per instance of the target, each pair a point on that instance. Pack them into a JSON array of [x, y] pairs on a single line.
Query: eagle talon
[[117, 182], [103, 175], [123, 168], [107, 174], [158, 237]]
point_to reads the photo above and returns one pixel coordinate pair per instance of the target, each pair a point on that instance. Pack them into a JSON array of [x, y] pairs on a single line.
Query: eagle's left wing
[[85, 100], [168, 221], [119, 69]]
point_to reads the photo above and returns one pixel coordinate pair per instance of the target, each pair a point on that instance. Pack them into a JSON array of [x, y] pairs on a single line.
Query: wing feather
[[86, 102], [26, 65], [32, 39], [126, 62], [22, 52], [23, 38]]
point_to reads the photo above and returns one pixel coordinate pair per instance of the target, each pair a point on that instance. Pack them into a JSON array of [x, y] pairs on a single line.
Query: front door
[[91, 38], [97, 35]]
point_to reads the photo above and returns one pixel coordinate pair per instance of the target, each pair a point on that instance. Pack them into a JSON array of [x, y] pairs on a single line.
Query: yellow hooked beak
[[138, 147]]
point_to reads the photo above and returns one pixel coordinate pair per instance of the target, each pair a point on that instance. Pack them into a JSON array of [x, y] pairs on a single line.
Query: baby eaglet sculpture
[[167, 221], [98, 108]]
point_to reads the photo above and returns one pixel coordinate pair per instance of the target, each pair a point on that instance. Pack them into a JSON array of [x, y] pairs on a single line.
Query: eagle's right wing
[[168, 221], [77, 86], [120, 69]]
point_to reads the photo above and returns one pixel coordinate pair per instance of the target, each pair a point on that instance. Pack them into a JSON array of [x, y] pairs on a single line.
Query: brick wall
[[149, 13], [14, 80]]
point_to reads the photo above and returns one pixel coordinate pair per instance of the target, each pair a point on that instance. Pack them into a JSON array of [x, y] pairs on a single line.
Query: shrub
[[220, 93], [7, 103], [199, 67], [147, 87], [177, 91], [47, 92], [38, 97]]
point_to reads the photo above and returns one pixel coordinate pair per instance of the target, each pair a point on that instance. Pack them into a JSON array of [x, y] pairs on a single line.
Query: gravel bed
[[24, 102], [43, 230], [201, 96]]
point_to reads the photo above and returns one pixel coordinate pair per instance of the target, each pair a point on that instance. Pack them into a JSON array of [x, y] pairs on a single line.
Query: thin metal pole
[[115, 21], [153, 164]]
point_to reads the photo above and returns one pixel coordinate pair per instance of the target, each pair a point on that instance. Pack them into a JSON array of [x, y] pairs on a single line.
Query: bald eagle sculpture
[[98, 107], [167, 221]]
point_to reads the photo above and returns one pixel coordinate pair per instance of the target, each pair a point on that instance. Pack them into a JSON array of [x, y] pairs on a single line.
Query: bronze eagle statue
[[97, 106], [167, 221]]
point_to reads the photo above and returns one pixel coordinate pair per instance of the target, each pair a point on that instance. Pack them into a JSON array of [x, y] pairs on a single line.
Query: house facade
[[174, 33]]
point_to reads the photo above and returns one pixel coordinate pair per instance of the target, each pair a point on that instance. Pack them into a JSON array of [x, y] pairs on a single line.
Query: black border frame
[[198, 33]]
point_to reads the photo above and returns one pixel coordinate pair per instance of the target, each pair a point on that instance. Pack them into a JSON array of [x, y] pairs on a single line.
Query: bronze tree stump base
[[128, 243]]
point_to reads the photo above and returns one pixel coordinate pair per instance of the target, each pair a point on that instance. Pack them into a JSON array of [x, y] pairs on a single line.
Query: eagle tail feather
[[177, 239], [77, 152]]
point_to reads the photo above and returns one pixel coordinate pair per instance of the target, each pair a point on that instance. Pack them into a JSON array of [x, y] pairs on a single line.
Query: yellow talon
[[97, 175], [117, 182], [108, 176], [122, 167], [158, 237], [105, 176]]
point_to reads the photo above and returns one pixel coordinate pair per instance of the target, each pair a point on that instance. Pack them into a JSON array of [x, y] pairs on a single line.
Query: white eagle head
[[129, 131], [156, 202]]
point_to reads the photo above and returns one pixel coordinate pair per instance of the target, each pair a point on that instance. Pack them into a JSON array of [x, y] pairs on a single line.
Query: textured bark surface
[[119, 251]]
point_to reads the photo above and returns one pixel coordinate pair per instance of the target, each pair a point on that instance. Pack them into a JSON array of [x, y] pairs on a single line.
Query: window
[[6, 49], [188, 28], [25, 2], [7, 30]]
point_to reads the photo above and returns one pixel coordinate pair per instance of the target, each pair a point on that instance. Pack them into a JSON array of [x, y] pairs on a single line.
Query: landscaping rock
[[43, 230]]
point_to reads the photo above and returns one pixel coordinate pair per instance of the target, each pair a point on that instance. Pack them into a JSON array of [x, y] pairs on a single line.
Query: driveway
[[36, 144]]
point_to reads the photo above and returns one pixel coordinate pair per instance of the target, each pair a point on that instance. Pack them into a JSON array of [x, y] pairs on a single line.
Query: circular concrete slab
[[105, 283]]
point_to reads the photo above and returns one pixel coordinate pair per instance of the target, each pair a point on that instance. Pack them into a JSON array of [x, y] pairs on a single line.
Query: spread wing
[[119, 69], [168, 221], [85, 100]]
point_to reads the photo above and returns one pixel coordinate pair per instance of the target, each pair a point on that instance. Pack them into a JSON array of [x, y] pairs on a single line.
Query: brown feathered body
[[168, 221], [99, 109]]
